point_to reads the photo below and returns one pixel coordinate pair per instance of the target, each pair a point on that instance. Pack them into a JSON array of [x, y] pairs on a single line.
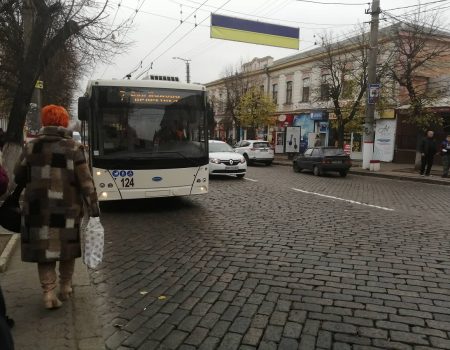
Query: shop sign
[[332, 116], [318, 115], [387, 114]]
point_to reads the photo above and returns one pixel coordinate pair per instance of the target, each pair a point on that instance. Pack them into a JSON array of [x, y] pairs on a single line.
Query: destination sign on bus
[[148, 97]]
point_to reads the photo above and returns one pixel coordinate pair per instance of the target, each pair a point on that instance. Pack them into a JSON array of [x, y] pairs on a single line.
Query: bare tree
[[344, 79], [420, 48], [32, 32]]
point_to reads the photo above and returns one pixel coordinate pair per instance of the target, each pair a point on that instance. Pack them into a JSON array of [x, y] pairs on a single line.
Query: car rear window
[[261, 145], [333, 152]]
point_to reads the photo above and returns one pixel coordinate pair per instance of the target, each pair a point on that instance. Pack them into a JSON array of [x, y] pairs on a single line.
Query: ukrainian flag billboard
[[254, 32]]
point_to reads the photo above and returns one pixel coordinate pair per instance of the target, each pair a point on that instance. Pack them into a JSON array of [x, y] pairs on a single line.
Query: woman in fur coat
[[57, 180]]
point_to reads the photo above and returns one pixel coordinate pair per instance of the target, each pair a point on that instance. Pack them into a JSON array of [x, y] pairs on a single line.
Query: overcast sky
[[155, 19]]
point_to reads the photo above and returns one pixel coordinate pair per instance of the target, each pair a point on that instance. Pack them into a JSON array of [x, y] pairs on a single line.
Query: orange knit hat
[[53, 115]]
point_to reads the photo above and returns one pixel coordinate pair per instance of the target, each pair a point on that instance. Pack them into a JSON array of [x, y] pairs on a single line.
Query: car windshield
[[219, 147], [333, 152], [260, 145]]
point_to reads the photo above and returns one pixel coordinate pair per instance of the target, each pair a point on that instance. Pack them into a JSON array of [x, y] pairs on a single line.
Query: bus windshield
[[149, 123]]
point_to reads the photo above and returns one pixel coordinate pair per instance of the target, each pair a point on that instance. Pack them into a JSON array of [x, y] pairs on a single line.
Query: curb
[[401, 178], [87, 325], [386, 176], [7, 253]]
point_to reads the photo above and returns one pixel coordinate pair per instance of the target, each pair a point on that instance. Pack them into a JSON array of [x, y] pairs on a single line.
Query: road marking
[[343, 199], [252, 180]]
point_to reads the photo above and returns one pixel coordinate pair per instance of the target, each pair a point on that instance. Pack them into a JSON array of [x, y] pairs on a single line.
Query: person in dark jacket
[[445, 153], [428, 149], [6, 340]]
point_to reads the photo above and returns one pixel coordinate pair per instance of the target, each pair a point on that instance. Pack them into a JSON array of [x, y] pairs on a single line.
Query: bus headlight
[[104, 194], [98, 173], [214, 160]]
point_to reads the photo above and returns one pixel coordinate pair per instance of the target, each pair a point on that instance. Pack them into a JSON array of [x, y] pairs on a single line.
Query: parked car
[[223, 160], [323, 159], [255, 151]]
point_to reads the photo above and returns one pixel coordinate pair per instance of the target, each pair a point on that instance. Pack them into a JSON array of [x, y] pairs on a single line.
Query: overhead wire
[[416, 5], [256, 16], [164, 39], [176, 42], [335, 3]]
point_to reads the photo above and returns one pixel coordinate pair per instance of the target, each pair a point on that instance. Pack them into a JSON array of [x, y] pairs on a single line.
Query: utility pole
[[188, 71], [372, 90]]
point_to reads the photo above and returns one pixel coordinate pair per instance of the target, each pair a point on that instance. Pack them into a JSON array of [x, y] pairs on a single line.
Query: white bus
[[146, 138]]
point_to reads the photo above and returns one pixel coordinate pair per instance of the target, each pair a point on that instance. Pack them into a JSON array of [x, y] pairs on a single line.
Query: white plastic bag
[[94, 240]]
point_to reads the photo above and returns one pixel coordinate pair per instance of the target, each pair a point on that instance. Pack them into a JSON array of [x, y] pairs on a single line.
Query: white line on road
[[252, 180], [343, 199]]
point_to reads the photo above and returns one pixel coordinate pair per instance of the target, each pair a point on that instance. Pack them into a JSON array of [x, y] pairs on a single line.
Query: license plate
[[231, 168], [337, 161], [264, 150]]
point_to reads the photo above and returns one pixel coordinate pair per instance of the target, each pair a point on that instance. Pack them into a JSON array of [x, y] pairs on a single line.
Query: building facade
[[299, 85]]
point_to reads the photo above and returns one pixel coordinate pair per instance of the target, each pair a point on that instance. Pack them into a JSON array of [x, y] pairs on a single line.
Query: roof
[[144, 83]]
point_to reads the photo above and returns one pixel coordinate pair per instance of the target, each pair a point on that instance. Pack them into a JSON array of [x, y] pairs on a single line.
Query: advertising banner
[[292, 142], [279, 145], [385, 140], [254, 32]]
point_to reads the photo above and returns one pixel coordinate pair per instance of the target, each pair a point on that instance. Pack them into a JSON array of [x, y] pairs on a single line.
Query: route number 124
[[127, 182]]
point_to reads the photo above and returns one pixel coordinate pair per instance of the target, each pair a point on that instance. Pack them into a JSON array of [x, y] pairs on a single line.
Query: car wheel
[[246, 158], [296, 168], [343, 173], [317, 171], [240, 176]]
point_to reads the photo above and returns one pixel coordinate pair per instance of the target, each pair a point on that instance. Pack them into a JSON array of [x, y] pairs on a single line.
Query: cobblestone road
[[258, 264]]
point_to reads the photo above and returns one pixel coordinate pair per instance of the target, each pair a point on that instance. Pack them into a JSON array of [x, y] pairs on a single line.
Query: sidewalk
[[394, 171], [74, 326]]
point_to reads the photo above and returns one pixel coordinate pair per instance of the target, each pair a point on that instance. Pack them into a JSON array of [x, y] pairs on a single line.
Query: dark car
[[323, 159]]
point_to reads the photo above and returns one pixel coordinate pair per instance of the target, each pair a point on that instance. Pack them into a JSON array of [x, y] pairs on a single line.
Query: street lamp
[[188, 76]]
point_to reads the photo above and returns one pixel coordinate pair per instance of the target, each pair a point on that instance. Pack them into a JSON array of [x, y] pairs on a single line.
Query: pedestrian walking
[[317, 142], [428, 149], [445, 153], [57, 180]]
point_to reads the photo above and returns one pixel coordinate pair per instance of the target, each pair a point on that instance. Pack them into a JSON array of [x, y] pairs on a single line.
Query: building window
[[325, 88], [289, 92], [305, 93], [261, 89], [275, 93]]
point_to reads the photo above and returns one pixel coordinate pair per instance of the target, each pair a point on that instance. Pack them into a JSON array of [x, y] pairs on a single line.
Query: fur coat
[[57, 180]]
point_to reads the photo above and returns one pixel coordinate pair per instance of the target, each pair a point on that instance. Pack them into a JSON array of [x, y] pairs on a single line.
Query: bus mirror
[[83, 108]]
